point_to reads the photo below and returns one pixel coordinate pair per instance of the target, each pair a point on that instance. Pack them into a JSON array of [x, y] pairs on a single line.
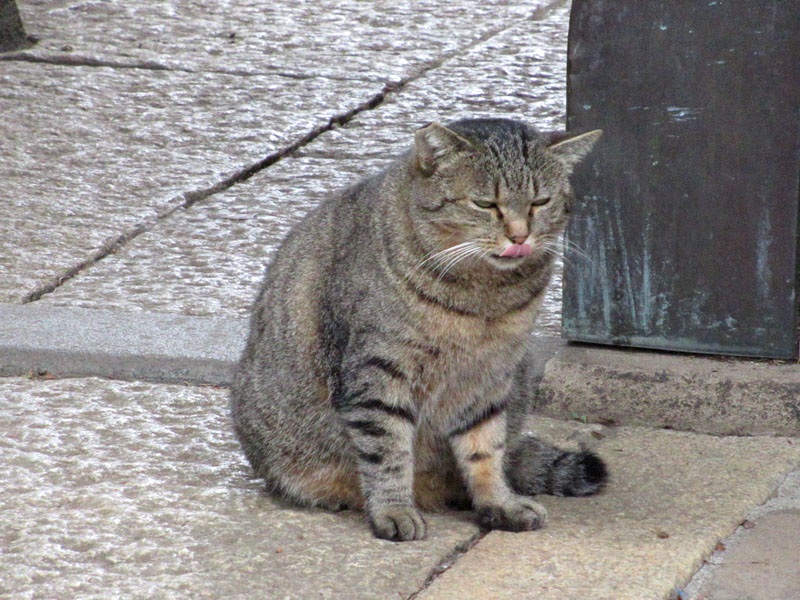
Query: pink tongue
[[517, 250]]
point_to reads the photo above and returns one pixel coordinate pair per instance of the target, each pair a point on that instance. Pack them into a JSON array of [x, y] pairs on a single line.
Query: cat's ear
[[436, 146], [570, 149]]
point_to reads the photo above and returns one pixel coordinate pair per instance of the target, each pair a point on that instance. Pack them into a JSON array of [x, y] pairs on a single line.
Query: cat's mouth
[[514, 252], [512, 256]]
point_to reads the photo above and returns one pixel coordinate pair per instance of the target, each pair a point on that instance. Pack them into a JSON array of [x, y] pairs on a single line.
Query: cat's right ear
[[436, 146], [570, 148]]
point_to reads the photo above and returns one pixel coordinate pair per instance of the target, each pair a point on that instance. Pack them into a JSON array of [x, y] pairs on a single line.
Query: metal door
[[687, 208]]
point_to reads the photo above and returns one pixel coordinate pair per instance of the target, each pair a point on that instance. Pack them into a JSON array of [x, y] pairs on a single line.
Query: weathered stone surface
[[672, 495], [139, 490], [132, 490], [386, 41], [209, 260], [70, 342], [712, 395], [759, 560], [89, 153], [764, 566], [519, 74]]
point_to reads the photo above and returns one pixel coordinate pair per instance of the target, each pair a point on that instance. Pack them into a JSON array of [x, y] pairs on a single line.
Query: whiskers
[[443, 261], [558, 245]]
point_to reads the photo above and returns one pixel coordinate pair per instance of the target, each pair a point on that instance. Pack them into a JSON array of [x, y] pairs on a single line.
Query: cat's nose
[[516, 230]]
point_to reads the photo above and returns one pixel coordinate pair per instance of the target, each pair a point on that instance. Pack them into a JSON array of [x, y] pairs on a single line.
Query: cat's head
[[492, 191]]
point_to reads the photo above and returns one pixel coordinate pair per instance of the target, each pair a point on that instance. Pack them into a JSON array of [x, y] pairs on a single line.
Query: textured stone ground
[[133, 490], [138, 490], [123, 132]]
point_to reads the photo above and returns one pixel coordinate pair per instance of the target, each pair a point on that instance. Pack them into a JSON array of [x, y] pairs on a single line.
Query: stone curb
[[723, 396], [82, 342], [77, 342]]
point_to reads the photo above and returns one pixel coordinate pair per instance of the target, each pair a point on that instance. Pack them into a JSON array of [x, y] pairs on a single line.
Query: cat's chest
[[467, 355]]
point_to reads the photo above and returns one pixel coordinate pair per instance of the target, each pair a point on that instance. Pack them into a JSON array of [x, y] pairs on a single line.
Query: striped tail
[[535, 467]]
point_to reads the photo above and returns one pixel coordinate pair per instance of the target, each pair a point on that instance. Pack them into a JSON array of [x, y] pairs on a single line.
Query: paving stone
[[210, 259], [764, 566], [666, 389], [134, 490], [139, 490], [759, 560], [88, 153], [76, 342], [379, 41], [518, 74], [671, 497]]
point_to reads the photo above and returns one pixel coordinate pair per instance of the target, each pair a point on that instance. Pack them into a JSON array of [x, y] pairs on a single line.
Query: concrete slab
[[659, 389], [759, 560], [133, 490], [77, 342], [89, 153], [765, 567], [209, 260], [672, 496], [387, 42], [519, 73], [70, 342]]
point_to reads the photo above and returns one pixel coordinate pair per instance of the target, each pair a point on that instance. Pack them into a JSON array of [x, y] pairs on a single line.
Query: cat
[[385, 369]]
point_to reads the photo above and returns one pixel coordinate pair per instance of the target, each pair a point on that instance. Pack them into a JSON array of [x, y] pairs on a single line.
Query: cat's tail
[[535, 467]]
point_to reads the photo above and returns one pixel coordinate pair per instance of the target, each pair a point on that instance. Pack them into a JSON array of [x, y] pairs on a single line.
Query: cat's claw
[[519, 514], [397, 523]]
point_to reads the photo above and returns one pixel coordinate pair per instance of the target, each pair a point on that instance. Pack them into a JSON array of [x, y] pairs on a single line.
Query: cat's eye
[[540, 201], [484, 204]]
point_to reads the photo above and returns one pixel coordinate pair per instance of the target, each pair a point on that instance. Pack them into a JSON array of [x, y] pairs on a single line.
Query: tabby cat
[[386, 366]]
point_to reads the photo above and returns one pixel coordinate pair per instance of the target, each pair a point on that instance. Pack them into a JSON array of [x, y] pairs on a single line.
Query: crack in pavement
[[187, 199], [76, 60], [448, 561]]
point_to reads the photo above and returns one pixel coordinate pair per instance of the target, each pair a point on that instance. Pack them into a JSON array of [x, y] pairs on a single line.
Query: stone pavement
[[152, 156]]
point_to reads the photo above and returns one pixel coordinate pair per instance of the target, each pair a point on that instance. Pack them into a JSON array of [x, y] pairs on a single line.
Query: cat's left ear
[[436, 146], [570, 149]]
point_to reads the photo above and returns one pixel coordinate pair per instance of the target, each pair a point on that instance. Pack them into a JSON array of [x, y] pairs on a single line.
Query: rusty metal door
[[688, 206]]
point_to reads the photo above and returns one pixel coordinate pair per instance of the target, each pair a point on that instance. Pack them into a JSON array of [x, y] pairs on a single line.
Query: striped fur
[[385, 365]]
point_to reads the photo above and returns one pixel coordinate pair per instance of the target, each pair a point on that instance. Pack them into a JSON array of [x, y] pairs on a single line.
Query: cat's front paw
[[519, 513], [398, 523]]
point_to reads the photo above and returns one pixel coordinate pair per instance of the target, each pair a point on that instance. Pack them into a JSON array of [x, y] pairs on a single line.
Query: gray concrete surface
[[211, 259], [342, 39], [90, 154], [660, 389], [77, 342], [69, 342], [134, 490], [138, 490], [760, 559], [151, 103], [122, 130], [672, 496]]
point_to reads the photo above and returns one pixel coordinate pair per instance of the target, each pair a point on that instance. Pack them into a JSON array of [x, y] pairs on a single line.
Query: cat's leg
[[478, 443], [438, 484], [379, 416]]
